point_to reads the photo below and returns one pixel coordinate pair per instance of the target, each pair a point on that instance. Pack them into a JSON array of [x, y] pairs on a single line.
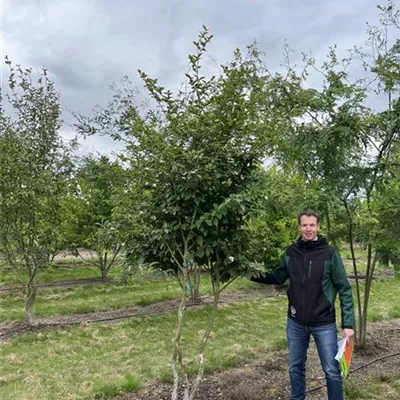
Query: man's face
[[308, 227]]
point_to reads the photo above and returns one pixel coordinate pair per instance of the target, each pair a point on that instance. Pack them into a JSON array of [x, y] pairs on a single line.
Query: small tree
[[34, 168], [195, 166], [346, 148], [387, 210], [90, 224], [278, 197], [193, 161], [382, 139]]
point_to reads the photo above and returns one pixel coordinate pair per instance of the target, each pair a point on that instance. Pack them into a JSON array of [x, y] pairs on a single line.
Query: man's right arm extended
[[277, 277]]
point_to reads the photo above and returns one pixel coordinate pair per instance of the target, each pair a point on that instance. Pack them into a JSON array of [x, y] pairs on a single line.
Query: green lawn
[[384, 299], [70, 363], [48, 364], [387, 383], [62, 270], [101, 297]]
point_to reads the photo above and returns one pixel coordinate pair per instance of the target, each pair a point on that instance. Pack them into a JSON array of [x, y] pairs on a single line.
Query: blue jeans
[[325, 337]]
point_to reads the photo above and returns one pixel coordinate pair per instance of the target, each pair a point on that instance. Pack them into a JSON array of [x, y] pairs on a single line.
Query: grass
[[383, 302], [86, 299], [361, 259], [46, 365], [389, 384], [110, 389], [63, 270], [102, 297], [98, 361]]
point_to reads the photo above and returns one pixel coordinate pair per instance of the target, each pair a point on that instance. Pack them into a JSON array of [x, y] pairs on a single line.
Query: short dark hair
[[308, 213]]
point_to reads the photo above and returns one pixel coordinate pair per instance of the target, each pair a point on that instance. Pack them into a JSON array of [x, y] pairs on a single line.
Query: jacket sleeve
[[277, 277], [343, 287]]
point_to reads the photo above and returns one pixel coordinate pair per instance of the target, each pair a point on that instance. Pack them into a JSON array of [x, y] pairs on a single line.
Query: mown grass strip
[[102, 297], [57, 273], [87, 361], [88, 299]]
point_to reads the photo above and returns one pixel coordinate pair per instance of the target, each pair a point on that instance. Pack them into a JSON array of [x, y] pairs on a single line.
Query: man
[[316, 274]]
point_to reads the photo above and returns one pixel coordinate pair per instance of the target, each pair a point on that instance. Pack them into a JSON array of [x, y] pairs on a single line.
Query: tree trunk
[[30, 297], [113, 256], [195, 294], [203, 342], [177, 359], [103, 266], [53, 255], [103, 274], [353, 257], [368, 281], [177, 350]]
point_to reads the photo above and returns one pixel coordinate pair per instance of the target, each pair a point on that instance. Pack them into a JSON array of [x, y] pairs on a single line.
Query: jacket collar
[[308, 245]]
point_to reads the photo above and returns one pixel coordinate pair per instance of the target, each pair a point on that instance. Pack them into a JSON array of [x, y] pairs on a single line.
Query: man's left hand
[[348, 333]]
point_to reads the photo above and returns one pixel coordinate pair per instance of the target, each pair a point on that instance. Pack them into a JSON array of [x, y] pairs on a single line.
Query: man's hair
[[308, 213]]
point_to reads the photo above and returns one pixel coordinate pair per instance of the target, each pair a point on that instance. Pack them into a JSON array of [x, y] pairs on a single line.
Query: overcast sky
[[88, 44]]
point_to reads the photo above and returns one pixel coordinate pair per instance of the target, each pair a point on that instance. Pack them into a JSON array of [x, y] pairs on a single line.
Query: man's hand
[[348, 333]]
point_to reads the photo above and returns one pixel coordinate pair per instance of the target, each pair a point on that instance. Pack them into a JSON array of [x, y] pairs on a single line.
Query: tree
[[90, 224], [277, 199], [387, 210], [200, 159], [382, 134], [338, 143], [194, 158], [34, 168]]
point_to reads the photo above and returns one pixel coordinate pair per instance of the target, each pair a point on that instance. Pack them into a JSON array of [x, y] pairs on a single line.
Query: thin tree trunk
[[30, 296], [177, 359], [53, 256], [353, 257], [196, 289], [368, 282], [203, 342], [113, 258], [103, 266], [176, 343], [103, 276]]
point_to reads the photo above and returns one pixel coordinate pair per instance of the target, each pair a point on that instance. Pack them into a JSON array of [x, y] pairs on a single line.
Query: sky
[[86, 45]]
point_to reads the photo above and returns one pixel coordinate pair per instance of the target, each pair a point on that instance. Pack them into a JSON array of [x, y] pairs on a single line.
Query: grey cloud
[[89, 44]]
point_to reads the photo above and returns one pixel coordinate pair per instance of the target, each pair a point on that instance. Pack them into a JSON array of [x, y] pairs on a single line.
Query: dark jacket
[[316, 274]]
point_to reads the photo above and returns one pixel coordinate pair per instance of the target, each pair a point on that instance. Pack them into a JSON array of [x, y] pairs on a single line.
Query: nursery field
[[97, 340]]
